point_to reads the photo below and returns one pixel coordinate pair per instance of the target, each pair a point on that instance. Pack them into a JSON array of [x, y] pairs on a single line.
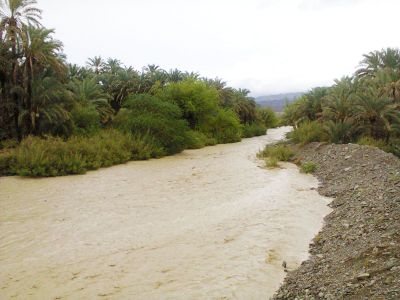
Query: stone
[[363, 276]]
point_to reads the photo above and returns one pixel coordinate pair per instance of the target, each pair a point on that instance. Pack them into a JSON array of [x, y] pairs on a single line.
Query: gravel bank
[[357, 253]]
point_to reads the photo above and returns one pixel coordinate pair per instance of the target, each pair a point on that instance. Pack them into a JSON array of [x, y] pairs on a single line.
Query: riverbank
[[357, 253]]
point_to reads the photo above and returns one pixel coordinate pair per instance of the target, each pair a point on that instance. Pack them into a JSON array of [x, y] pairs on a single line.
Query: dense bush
[[271, 162], [268, 117], [86, 119], [195, 139], [339, 132], [308, 132], [55, 157], [255, 129], [7, 163], [279, 151], [197, 101], [224, 127], [157, 118], [308, 167], [392, 146]]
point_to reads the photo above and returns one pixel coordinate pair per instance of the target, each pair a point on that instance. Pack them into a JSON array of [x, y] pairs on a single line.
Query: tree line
[[362, 108], [50, 109]]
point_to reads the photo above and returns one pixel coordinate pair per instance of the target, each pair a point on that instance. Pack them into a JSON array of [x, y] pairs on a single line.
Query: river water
[[204, 224]]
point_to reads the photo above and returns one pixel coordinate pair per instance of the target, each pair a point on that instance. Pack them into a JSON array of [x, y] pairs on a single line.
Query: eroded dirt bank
[[357, 254], [205, 224]]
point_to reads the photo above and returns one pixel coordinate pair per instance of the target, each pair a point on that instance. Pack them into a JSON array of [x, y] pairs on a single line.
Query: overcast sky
[[267, 46]]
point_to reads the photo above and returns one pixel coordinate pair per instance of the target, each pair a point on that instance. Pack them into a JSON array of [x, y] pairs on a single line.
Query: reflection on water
[[208, 223]]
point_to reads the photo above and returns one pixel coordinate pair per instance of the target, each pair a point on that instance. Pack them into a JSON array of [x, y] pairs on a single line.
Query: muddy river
[[204, 224]]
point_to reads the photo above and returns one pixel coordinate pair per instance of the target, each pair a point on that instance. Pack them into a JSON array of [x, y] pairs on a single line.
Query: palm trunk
[[15, 82]]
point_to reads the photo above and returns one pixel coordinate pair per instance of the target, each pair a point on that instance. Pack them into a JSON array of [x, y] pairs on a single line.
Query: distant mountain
[[278, 102]]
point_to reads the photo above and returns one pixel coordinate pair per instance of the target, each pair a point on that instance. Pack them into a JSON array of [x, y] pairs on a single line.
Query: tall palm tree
[[15, 17], [96, 64], [175, 75], [388, 58], [113, 66], [41, 52]]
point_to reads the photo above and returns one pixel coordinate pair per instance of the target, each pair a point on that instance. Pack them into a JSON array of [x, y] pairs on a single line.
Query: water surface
[[204, 224]]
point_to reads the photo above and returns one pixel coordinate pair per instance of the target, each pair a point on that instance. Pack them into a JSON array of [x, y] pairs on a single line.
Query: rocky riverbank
[[357, 253]]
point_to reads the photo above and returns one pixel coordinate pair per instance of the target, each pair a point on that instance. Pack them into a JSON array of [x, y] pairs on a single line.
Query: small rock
[[363, 276], [347, 169]]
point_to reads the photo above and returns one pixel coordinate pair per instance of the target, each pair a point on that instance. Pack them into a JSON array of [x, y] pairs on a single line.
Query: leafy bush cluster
[[54, 157], [276, 153], [308, 167], [255, 129], [364, 108]]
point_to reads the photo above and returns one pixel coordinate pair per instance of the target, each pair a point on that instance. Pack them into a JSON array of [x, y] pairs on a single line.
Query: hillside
[[277, 102]]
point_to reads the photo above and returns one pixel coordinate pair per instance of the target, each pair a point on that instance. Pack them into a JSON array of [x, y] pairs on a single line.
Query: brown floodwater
[[204, 224]]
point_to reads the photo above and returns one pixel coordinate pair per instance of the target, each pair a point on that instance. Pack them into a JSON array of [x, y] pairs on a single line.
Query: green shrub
[[268, 117], [280, 152], [195, 139], [307, 132], [308, 167], [370, 141], [159, 119], [52, 156], [144, 147], [86, 119], [7, 162], [8, 144], [271, 162], [394, 146], [224, 127], [210, 141], [255, 129], [197, 101], [339, 132]]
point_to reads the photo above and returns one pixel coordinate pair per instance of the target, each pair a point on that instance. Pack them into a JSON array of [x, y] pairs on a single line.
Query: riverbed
[[211, 223]]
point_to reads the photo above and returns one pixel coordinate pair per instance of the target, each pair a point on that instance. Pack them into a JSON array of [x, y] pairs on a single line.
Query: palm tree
[[120, 85], [15, 17], [339, 102], [388, 58], [175, 75], [89, 92], [379, 116], [113, 66], [51, 103], [41, 52], [96, 64]]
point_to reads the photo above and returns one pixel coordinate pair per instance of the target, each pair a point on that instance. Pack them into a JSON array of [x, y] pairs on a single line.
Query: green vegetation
[[276, 153], [253, 130], [308, 167], [58, 119], [53, 156], [364, 108], [271, 162], [307, 132]]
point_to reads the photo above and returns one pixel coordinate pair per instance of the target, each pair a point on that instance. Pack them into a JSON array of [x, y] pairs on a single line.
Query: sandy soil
[[209, 223]]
